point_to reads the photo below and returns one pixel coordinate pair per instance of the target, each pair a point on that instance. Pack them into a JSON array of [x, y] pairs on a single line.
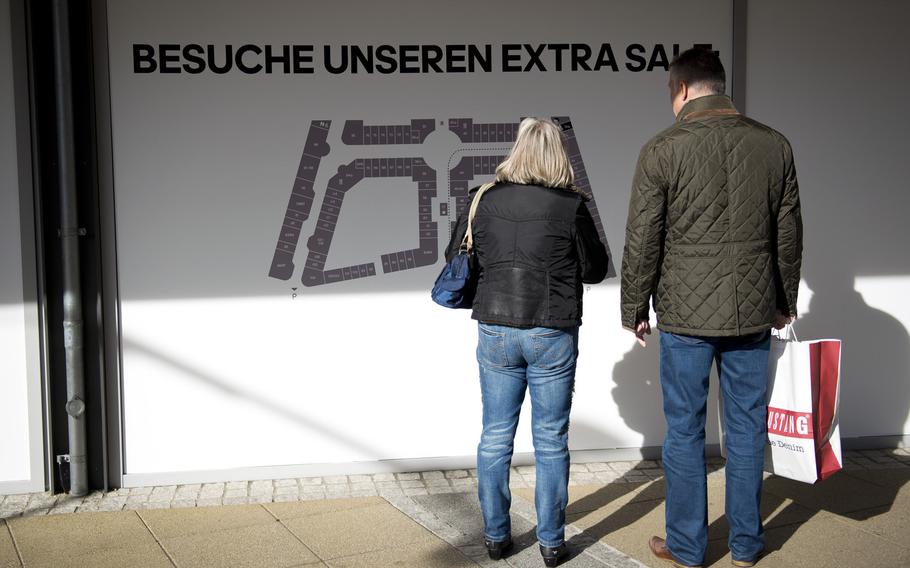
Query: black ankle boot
[[553, 556], [496, 550]]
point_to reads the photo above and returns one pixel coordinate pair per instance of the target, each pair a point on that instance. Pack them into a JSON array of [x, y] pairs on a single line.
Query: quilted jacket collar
[[709, 105]]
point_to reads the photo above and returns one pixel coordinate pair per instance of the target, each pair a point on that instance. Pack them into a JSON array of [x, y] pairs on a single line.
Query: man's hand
[[782, 320], [642, 328]]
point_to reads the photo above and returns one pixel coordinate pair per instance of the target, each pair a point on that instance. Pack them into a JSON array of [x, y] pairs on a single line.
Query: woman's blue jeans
[[742, 366], [513, 360]]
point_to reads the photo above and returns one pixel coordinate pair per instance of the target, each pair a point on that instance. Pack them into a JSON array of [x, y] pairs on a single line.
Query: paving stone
[[287, 490], [268, 544], [285, 483], [608, 476], [238, 500], [61, 510], [41, 501], [261, 498], [472, 472], [595, 467], [456, 474], [335, 479], [411, 483], [630, 478], [312, 495], [310, 481], [162, 494], [261, 487], [288, 498], [16, 501], [622, 466], [336, 491], [237, 485], [578, 468], [390, 492], [437, 483], [360, 478], [115, 504], [412, 491], [525, 469], [411, 476], [582, 478], [141, 490], [377, 477], [363, 486], [233, 494], [432, 475]]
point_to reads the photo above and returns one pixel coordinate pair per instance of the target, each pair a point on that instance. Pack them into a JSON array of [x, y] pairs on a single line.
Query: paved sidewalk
[[859, 517]]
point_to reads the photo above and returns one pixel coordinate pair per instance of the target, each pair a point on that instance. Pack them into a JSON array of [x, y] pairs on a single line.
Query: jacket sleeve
[[789, 239], [461, 227], [645, 226], [592, 254]]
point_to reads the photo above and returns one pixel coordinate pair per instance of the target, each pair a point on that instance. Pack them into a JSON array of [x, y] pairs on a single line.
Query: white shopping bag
[[803, 396]]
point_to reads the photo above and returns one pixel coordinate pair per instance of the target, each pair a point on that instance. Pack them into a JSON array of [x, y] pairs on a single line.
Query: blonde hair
[[538, 157]]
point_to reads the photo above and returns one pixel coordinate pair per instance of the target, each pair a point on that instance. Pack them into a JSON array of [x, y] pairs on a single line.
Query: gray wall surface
[[832, 75]]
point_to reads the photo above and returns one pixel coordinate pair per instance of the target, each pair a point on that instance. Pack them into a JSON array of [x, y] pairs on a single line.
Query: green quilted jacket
[[714, 232]]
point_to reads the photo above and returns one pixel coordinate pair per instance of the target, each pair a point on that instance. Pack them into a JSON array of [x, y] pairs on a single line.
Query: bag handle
[[468, 242], [787, 333]]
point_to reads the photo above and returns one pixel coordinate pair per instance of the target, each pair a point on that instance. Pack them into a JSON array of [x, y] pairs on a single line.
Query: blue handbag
[[457, 282]]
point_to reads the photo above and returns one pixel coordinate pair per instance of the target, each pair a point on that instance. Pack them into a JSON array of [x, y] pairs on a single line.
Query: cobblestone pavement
[[411, 484], [444, 502]]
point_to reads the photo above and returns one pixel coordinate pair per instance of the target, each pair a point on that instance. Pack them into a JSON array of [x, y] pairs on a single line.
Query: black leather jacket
[[535, 247]]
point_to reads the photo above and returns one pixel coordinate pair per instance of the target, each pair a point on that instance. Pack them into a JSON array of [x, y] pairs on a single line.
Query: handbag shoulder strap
[[468, 242]]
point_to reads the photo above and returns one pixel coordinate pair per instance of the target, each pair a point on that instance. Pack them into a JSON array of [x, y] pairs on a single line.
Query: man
[[714, 235]]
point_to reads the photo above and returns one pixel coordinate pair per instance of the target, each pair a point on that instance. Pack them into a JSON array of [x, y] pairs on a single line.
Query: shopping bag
[[803, 394]]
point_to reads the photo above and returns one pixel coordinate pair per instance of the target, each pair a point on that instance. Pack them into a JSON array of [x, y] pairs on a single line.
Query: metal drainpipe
[[69, 237]]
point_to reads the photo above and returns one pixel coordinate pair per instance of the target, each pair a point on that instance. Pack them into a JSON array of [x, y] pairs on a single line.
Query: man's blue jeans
[[742, 365], [513, 360]]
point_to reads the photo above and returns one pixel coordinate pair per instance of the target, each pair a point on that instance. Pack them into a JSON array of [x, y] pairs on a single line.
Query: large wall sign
[[286, 177]]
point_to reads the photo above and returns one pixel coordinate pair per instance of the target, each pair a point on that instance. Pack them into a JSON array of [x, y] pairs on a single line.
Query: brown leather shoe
[[659, 549]]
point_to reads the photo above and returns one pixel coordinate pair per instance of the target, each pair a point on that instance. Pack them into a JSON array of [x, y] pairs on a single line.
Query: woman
[[535, 245]]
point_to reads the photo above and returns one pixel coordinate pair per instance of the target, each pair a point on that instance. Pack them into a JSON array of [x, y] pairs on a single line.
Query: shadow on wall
[[250, 396], [875, 362], [639, 399]]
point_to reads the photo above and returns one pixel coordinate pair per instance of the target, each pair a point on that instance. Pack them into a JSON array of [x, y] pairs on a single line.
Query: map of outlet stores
[[479, 148]]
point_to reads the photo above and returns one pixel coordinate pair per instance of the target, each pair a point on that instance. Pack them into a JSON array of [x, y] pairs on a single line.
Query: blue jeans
[[742, 365], [512, 360]]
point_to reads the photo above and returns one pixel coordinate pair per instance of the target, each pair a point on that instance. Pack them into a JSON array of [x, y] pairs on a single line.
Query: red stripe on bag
[[824, 358], [788, 423]]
